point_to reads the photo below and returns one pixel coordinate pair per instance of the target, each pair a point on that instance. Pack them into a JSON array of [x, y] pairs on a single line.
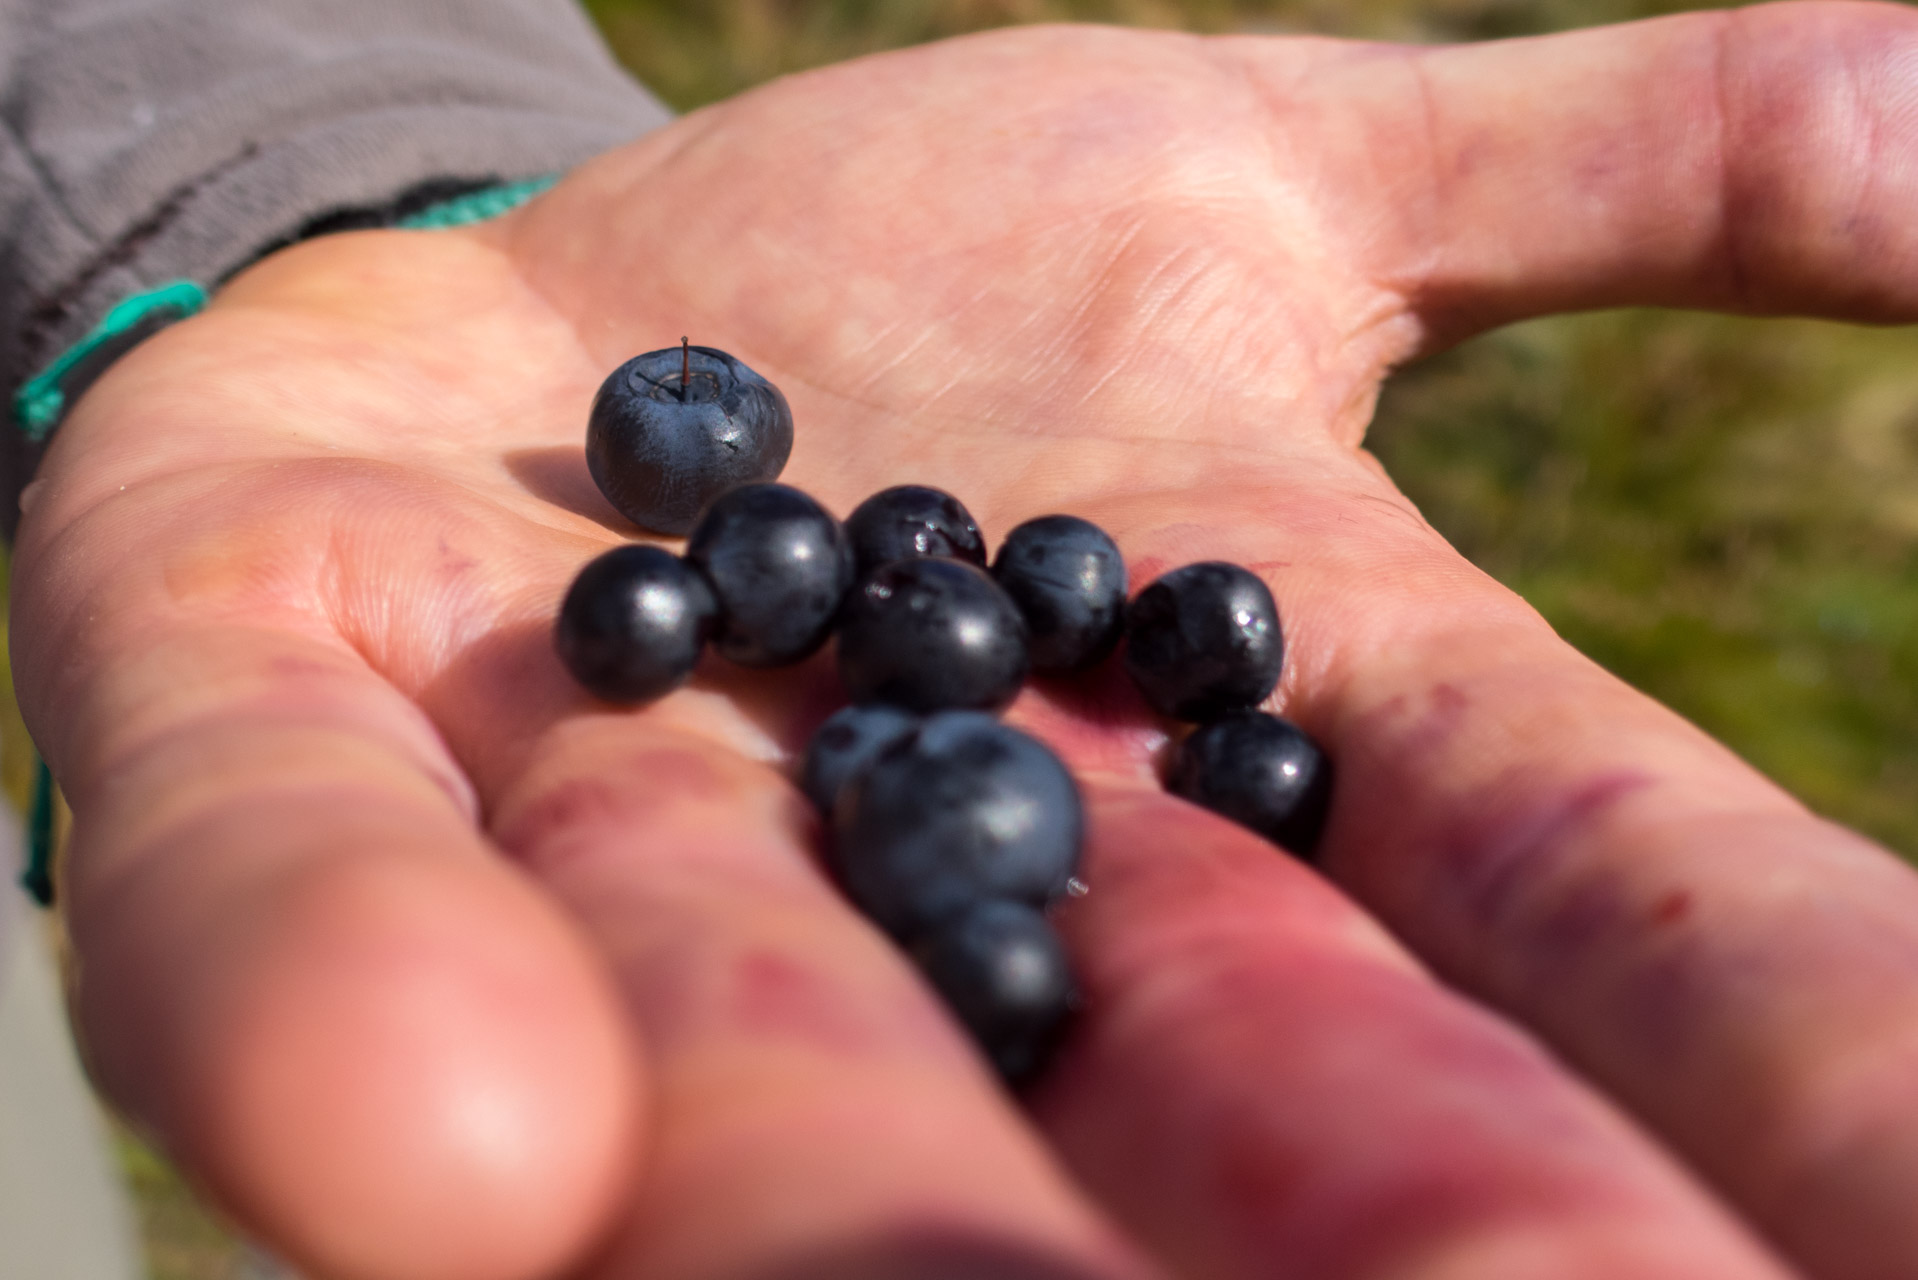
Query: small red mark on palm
[[1673, 908]]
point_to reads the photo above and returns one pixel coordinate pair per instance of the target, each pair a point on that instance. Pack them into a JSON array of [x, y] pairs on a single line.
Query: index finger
[[297, 962]]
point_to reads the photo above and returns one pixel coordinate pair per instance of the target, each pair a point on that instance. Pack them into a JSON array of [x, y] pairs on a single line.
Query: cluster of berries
[[950, 830]]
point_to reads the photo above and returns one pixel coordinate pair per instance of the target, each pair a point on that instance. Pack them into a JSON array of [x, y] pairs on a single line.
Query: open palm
[[430, 966]]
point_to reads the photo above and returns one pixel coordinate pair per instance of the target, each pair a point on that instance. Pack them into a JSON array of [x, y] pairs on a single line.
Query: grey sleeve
[[148, 141]]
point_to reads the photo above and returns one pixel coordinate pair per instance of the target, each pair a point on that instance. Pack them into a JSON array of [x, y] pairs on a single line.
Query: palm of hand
[[291, 578]]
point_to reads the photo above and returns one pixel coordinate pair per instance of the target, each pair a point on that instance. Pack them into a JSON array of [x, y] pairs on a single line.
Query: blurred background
[[1723, 512]]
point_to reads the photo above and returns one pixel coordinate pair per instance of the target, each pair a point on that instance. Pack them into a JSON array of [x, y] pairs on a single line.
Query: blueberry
[[910, 521], [932, 635], [1260, 771], [963, 810], [849, 740], [673, 429], [632, 624], [1002, 970], [1069, 581], [779, 566], [1204, 640]]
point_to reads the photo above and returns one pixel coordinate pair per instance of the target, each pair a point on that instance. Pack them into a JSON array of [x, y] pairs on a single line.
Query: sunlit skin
[[428, 966]]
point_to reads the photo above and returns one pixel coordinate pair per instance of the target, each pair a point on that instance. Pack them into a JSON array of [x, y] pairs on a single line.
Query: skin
[[427, 966]]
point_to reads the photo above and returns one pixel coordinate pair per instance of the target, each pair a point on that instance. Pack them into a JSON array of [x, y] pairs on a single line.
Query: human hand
[[429, 966]]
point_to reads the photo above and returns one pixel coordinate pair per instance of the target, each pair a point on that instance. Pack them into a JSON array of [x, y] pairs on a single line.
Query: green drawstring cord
[[37, 879], [38, 406], [477, 206]]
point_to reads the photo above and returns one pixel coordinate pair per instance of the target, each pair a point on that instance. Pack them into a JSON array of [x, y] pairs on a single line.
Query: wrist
[[328, 296], [41, 403]]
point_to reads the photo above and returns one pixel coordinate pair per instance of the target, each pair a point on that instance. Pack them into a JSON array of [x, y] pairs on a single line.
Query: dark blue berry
[[909, 521], [1069, 581], [632, 624], [929, 635], [847, 743], [1260, 771], [963, 810], [1002, 970], [1204, 640], [673, 429], [779, 566]]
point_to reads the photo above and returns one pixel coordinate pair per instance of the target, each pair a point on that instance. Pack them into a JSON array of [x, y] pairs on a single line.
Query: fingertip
[[419, 1073]]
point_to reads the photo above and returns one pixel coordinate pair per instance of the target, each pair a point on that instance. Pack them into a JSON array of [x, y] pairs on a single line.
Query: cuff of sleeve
[[42, 400], [257, 197]]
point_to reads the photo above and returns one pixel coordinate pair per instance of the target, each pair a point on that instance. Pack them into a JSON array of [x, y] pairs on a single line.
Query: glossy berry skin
[[1069, 581], [1204, 640], [661, 452], [931, 635], [633, 622], [1003, 972], [909, 521], [779, 566], [849, 741], [1261, 772], [964, 810]]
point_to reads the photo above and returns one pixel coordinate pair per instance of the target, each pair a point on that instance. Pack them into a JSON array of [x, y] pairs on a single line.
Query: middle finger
[[814, 1112]]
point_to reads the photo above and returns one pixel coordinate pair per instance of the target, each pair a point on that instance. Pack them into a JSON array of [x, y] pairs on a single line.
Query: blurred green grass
[[692, 52], [181, 1238], [1724, 512]]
